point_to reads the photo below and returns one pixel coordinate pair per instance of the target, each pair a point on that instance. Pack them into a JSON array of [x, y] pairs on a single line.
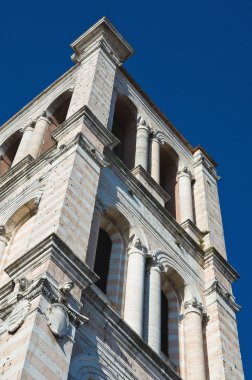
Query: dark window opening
[[164, 324], [168, 173], [124, 128], [103, 252]]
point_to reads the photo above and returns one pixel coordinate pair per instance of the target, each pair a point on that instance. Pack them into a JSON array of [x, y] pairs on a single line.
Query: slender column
[[41, 126], [152, 333], [185, 195], [94, 234], [134, 294], [155, 158], [142, 143], [195, 362], [4, 239], [23, 149]]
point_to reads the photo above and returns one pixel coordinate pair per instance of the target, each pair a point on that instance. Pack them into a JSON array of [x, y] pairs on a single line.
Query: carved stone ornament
[[18, 315], [194, 304], [58, 320]]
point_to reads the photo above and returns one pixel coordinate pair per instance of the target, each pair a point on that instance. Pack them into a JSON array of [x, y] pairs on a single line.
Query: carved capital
[[45, 117], [142, 123], [194, 306], [185, 172], [99, 205], [137, 246]]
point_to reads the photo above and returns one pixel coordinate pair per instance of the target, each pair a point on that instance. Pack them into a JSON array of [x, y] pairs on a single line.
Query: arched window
[[57, 111], [124, 128], [170, 310], [110, 259], [19, 228], [168, 173], [8, 152]]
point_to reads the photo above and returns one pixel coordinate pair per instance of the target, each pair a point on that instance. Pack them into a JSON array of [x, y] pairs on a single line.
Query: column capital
[[155, 265], [194, 306], [29, 127], [137, 247], [142, 123], [156, 138], [185, 172], [44, 117], [99, 205]]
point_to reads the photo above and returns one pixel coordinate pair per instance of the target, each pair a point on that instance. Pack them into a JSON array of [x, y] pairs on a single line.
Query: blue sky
[[194, 60]]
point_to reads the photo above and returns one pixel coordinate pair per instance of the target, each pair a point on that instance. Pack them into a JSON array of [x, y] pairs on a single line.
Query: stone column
[[155, 158], [195, 362], [185, 195], [23, 149], [94, 234], [152, 328], [142, 143], [4, 239], [134, 294], [41, 126]]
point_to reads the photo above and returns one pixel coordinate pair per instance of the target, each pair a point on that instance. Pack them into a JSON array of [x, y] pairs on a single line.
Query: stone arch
[[60, 102], [57, 113], [124, 127], [121, 231], [178, 287], [18, 225], [8, 151], [174, 269]]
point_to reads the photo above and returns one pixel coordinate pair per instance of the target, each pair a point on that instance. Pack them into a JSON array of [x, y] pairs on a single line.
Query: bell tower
[[112, 254]]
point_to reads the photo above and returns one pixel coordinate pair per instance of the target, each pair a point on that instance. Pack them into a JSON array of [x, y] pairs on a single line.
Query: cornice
[[87, 117], [24, 170], [102, 34], [216, 287], [53, 248], [139, 170], [212, 256]]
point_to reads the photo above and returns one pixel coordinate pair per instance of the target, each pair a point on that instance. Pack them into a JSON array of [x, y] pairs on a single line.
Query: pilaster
[[98, 52], [207, 206]]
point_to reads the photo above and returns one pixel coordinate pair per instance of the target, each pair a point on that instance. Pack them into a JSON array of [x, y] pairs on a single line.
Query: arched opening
[[172, 294], [110, 258], [124, 128], [57, 111], [18, 229], [8, 152], [168, 173], [102, 259]]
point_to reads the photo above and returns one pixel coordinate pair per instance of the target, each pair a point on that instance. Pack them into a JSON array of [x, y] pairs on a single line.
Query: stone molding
[[53, 248], [200, 159], [102, 35], [213, 257], [29, 290], [86, 116], [216, 287], [151, 185]]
